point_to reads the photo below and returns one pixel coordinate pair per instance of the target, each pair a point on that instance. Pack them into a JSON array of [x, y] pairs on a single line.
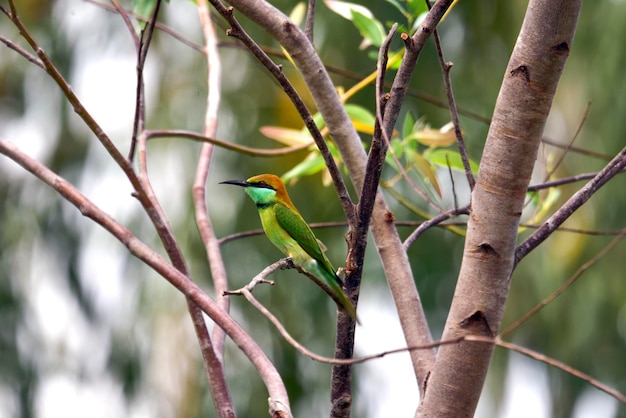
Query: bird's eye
[[262, 183]]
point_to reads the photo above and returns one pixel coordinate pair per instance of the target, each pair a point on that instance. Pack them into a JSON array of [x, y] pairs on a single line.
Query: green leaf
[[426, 171], [319, 120], [408, 125], [418, 21], [416, 7], [144, 8], [398, 6], [298, 13], [360, 114], [444, 157], [344, 9], [312, 164], [369, 28]]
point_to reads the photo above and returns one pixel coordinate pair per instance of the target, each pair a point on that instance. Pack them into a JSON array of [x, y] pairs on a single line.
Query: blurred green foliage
[[45, 244]]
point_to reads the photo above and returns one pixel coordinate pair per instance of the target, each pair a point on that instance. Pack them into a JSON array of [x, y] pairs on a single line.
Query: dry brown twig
[[246, 291]]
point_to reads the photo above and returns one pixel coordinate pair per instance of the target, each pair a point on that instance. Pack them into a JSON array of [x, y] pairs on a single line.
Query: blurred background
[[88, 330]]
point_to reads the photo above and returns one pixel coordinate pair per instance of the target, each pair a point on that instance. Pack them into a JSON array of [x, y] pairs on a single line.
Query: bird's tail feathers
[[332, 285]]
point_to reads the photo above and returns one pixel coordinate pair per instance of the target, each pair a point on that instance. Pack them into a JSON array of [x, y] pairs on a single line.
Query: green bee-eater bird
[[287, 230]]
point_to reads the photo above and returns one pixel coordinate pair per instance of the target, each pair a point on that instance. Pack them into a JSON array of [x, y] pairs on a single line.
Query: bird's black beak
[[241, 183]]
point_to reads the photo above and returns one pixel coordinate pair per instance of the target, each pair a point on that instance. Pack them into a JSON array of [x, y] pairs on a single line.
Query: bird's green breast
[[279, 237]]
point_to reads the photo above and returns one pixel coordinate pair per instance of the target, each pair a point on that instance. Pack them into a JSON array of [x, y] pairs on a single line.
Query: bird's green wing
[[322, 271], [298, 229]]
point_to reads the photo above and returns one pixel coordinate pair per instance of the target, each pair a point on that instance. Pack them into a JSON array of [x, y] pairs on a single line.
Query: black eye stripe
[[264, 185]]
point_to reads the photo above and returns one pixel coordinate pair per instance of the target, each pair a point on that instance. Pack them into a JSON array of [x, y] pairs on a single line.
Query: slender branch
[[578, 230], [424, 226], [117, 7], [226, 239], [341, 377], [414, 47], [215, 353], [310, 20], [451, 176], [382, 134], [212, 362], [78, 107], [454, 114], [158, 25], [562, 366], [286, 263], [577, 150], [569, 282], [255, 152], [403, 76], [15, 47], [203, 220], [279, 400], [246, 291], [261, 277], [260, 152], [558, 162], [143, 45], [577, 200], [567, 180]]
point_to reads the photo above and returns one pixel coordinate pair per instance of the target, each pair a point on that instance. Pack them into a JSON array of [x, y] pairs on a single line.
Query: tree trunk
[[521, 110]]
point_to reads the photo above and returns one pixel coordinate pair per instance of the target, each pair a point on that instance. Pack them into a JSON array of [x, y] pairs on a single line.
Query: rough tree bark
[[521, 110]]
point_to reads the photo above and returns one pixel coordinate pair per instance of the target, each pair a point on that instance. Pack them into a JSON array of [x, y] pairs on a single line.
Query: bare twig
[[414, 46], [283, 263], [279, 400], [212, 362], [246, 291], [577, 150], [380, 134], [424, 226], [414, 224], [558, 162], [215, 353], [310, 20], [15, 47], [143, 44], [566, 180], [454, 194], [564, 286], [562, 366], [256, 152], [125, 17], [470, 338], [454, 114], [158, 25], [579, 231], [398, 91], [577, 200], [341, 378]]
